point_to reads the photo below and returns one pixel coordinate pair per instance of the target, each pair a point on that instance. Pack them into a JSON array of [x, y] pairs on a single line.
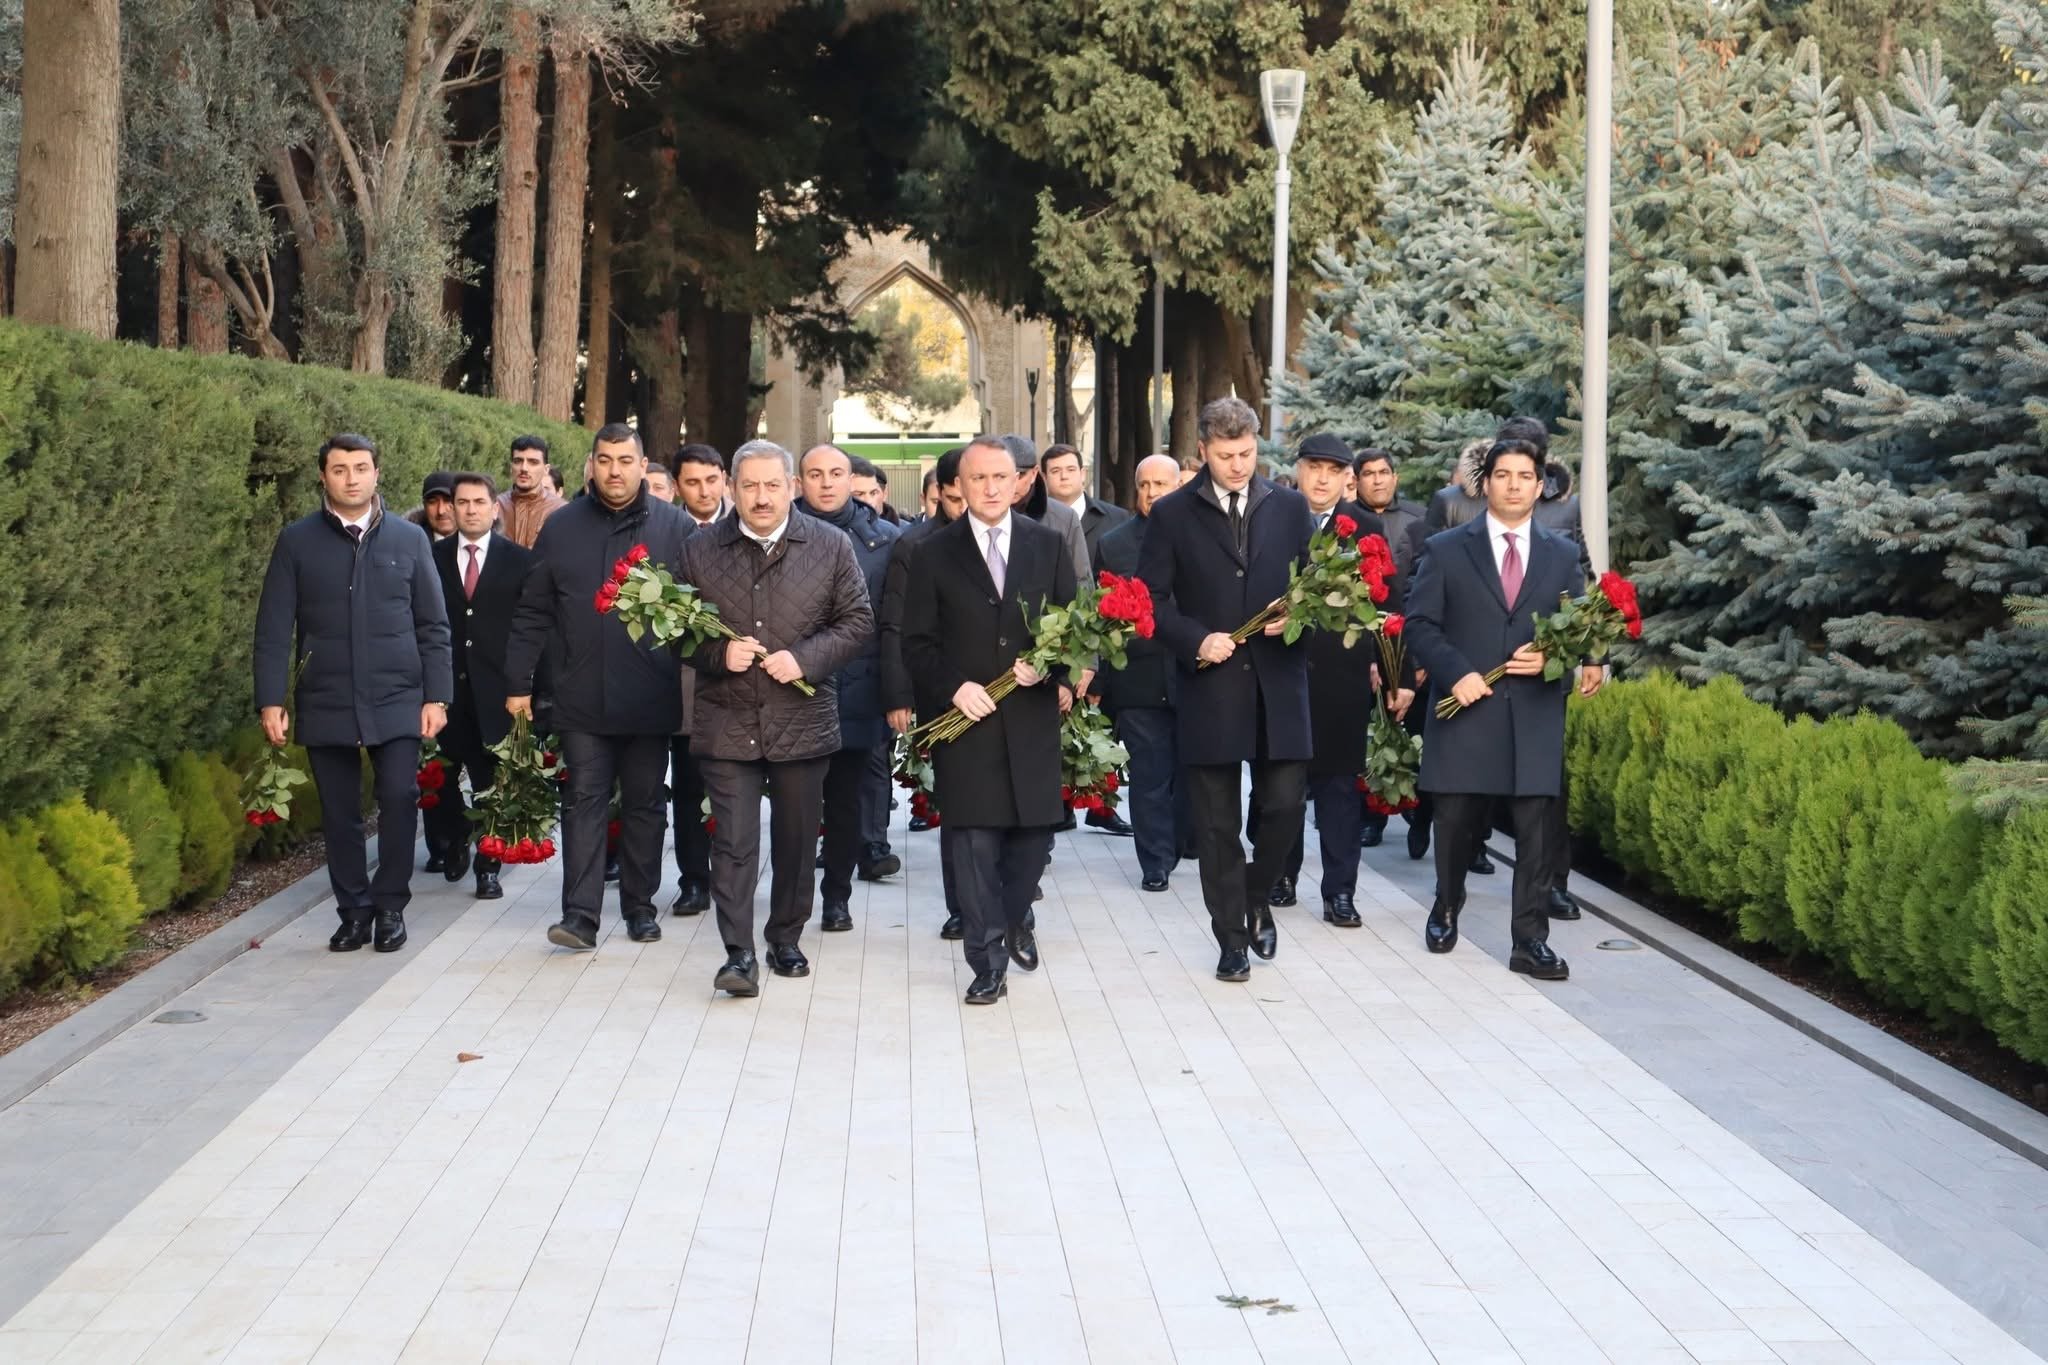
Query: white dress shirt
[[767, 542], [1002, 530], [483, 552], [1497, 532], [363, 521]]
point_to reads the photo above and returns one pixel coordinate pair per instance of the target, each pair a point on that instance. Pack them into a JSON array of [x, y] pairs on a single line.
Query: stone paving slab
[[1424, 1158]]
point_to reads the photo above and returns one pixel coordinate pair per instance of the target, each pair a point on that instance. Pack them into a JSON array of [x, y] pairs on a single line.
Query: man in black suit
[[1476, 593], [974, 589], [701, 494], [1216, 552], [1139, 698], [1339, 702], [1065, 482], [481, 573]]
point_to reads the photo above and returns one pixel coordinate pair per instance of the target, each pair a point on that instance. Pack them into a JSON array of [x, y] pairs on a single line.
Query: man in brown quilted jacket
[[792, 588]]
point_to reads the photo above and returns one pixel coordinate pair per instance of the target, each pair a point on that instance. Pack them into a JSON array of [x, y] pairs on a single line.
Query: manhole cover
[[180, 1017], [1619, 945]]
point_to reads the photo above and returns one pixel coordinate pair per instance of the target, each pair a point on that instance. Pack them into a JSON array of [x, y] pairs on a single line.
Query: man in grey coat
[[791, 585], [352, 596]]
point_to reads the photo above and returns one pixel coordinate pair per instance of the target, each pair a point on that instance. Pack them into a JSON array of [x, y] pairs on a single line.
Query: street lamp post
[[1031, 384], [1599, 195], [1280, 91]]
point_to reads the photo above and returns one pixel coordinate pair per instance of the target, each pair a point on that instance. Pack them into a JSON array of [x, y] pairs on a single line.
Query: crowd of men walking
[[853, 621]]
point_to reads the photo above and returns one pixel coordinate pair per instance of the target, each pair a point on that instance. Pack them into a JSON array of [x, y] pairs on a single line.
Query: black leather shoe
[[786, 959], [1440, 932], [952, 929], [694, 898], [1370, 836], [1152, 884], [643, 928], [1341, 911], [389, 935], [918, 824], [878, 862], [1265, 938], [435, 862], [1482, 864], [1531, 958], [352, 934], [611, 867], [457, 863], [1066, 823], [1562, 906], [1282, 893], [1024, 949], [987, 988], [1233, 966], [1109, 822], [837, 919], [487, 886], [574, 934], [740, 975], [1418, 840]]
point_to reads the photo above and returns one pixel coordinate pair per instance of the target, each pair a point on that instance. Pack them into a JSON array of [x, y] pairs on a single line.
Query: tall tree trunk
[[206, 311], [661, 360], [717, 355], [1184, 363], [1063, 415], [6, 279], [374, 307], [1108, 414], [512, 356], [597, 369], [568, 178], [67, 168], [169, 273]]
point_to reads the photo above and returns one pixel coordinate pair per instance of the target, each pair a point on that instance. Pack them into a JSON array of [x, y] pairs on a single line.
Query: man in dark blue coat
[[1477, 591], [357, 591], [1216, 553], [828, 495], [616, 701]]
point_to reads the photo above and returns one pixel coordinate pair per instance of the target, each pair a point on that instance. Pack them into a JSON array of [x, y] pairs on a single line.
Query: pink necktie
[[1511, 572], [469, 574]]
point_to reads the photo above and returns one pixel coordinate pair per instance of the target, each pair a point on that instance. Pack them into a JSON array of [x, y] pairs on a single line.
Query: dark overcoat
[[897, 692], [1203, 584], [1459, 622], [604, 683], [861, 725], [369, 624], [1148, 679], [1004, 773], [807, 597], [480, 627], [1340, 696], [1098, 519]]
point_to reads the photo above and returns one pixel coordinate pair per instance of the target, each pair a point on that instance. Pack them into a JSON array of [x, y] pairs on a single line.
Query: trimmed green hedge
[[142, 492], [1836, 839]]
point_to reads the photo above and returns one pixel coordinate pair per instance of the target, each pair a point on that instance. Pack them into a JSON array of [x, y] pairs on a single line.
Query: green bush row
[[1836, 839]]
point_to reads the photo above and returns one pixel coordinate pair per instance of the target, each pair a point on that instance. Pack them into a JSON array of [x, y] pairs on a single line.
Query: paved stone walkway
[[1416, 1158]]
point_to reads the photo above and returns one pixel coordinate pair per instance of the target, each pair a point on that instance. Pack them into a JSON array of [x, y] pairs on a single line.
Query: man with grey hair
[[791, 585]]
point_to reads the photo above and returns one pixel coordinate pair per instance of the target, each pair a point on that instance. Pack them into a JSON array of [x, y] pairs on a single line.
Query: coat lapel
[[1479, 545], [972, 549]]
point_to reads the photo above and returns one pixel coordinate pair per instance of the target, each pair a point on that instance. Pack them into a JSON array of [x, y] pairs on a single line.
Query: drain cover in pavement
[[1619, 945], [180, 1017]]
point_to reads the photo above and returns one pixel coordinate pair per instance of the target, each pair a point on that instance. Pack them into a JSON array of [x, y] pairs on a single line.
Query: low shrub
[[206, 858], [135, 796], [31, 901], [100, 906]]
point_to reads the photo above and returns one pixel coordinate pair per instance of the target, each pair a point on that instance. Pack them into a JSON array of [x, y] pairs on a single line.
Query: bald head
[[1158, 475]]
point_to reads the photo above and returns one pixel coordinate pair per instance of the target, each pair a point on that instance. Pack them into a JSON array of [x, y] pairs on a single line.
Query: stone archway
[[906, 269]]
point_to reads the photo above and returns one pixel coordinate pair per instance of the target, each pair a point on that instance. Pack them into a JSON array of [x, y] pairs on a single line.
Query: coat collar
[[1478, 542]]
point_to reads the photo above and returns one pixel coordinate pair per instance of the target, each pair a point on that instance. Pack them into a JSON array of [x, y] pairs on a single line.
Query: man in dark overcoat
[[481, 572], [351, 596], [616, 701], [1216, 552], [1477, 591], [791, 585], [974, 588]]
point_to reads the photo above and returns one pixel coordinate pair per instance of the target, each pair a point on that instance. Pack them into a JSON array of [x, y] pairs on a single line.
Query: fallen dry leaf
[[469, 1056]]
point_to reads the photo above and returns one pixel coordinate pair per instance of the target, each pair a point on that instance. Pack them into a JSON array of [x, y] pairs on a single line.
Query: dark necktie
[[355, 533], [1511, 572], [1236, 521], [469, 575]]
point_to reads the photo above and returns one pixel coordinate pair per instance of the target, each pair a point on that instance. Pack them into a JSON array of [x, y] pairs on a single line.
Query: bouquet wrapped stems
[[648, 599], [1585, 627], [1338, 590]]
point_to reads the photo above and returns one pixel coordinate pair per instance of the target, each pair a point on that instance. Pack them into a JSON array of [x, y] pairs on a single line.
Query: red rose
[[606, 596], [611, 832], [1376, 590], [1635, 629], [432, 777], [428, 800], [621, 568], [255, 817], [490, 845], [1066, 796], [1363, 789], [1345, 526], [637, 555], [547, 758], [1109, 782], [711, 824], [1393, 624], [547, 848]]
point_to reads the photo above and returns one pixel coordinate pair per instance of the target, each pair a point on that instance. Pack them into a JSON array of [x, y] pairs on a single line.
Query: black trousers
[[796, 796], [338, 777], [878, 791], [686, 806], [1561, 835], [996, 871], [1462, 822], [848, 777], [1339, 817], [1162, 820], [634, 763], [1230, 885], [948, 837]]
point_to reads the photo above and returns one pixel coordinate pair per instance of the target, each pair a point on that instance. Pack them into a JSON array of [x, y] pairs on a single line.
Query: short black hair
[[555, 478], [931, 477], [347, 440], [1054, 452], [1498, 449], [470, 476], [530, 442], [611, 433], [1529, 429], [1372, 455], [948, 465], [863, 467], [881, 476], [698, 453]]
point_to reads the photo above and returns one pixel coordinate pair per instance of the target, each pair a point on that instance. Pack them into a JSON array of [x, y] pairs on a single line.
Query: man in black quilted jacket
[[791, 586]]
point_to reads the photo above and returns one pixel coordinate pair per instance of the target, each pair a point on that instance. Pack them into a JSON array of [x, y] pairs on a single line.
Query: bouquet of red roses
[[1089, 759], [648, 599], [432, 777], [267, 792], [518, 810], [1393, 757], [1581, 628], [1338, 590], [914, 774], [1097, 624]]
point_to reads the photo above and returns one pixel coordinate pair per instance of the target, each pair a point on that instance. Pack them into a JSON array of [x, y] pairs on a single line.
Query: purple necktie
[[1511, 572], [995, 557]]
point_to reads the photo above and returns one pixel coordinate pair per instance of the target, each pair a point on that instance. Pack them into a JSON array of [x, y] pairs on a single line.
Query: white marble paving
[[1421, 1159]]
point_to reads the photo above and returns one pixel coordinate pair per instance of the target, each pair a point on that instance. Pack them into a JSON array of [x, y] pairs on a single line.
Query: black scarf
[[846, 518]]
